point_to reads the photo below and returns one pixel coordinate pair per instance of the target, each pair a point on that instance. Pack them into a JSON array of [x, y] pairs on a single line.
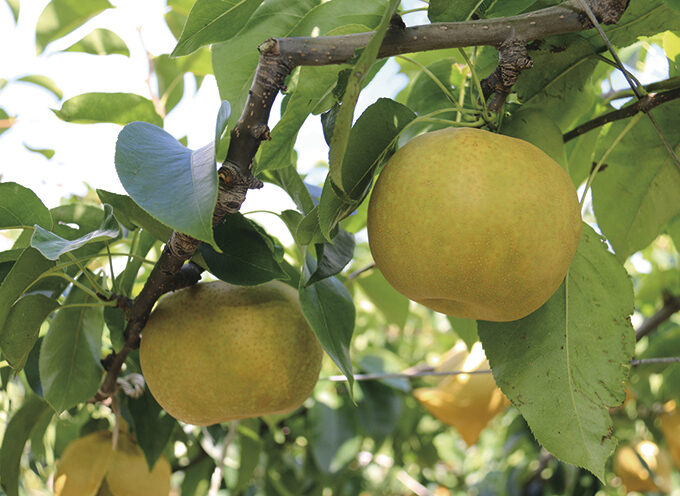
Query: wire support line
[[434, 373]]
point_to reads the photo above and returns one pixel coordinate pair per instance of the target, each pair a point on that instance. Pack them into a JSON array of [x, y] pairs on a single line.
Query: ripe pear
[[90, 466], [467, 402], [216, 352], [633, 473], [474, 224]]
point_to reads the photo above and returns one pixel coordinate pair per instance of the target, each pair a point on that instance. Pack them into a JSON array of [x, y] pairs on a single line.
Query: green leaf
[[466, 329], [52, 246], [636, 194], [333, 256], [250, 448], [333, 436], [152, 426], [101, 42], [448, 11], [132, 216], [371, 142], [48, 153], [175, 185], [170, 77], [234, 60], [673, 230], [291, 182], [379, 409], [222, 138], [70, 354], [43, 82], [314, 83], [22, 326], [25, 271], [60, 17], [392, 304], [329, 309], [118, 108], [675, 4], [343, 121], [21, 208], [249, 255], [31, 414], [5, 116], [14, 7], [562, 87], [211, 21], [565, 365]]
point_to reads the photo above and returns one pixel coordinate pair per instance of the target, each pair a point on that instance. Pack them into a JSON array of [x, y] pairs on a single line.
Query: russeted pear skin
[[474, 224], [216, 352]]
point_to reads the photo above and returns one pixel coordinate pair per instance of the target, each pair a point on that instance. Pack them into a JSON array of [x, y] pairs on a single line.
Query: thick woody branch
[[644, 104], [278, 57]]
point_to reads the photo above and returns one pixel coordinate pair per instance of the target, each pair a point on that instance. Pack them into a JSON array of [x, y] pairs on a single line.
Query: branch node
[[269, 47], [261, 132], [512, 60], [606, 11]]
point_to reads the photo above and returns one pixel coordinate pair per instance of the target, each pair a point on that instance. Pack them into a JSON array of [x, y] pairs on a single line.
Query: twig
[[645, 104], [216, 478], [666, 84], [360, 271], [651, 361], [430, 372], [671, 305]]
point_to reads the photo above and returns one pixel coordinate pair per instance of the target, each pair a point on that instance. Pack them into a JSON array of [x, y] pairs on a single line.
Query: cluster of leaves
[[563, 367]]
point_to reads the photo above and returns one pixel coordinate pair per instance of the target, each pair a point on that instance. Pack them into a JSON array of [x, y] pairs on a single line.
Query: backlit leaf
[[60, 17], [118, 108], [211, 21], [101, 42], [44, 82], [21, 208]]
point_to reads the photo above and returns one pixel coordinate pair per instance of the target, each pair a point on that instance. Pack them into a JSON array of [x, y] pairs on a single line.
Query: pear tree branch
[[644, 104], [278, 57]]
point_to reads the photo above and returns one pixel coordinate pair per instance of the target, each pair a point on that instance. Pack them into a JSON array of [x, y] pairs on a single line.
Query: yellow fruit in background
[[474, 224], [90, 467], [216, 352], [633, 473], [467, 402], [670, 426], [83, 465]]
